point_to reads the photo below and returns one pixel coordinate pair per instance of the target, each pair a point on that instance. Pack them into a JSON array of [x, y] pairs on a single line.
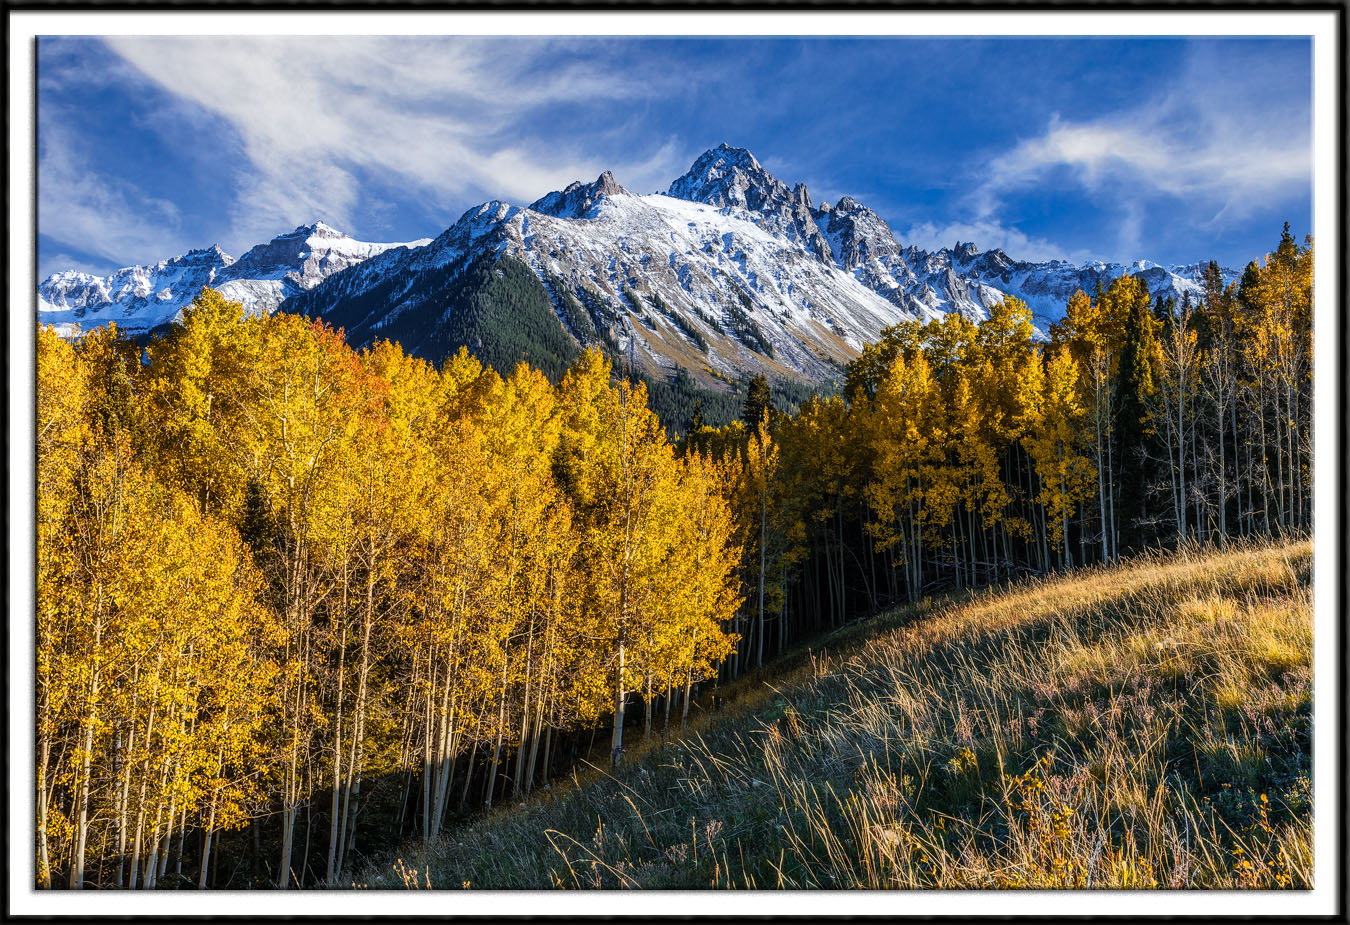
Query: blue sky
[[1172, 150]]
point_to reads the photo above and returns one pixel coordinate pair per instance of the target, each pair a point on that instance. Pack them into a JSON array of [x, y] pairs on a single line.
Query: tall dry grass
[[1142, 726]]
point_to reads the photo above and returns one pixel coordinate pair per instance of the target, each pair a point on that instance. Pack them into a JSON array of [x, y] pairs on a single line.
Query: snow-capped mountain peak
[[731, 177], [732, 180], [855, 233], [727, 176]]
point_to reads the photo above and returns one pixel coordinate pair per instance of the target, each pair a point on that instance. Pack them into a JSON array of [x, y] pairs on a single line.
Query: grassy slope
[[1147, 725]]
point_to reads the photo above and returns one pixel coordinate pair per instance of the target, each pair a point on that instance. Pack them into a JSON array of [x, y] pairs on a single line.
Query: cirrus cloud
[[452, 119], [1226, 147]]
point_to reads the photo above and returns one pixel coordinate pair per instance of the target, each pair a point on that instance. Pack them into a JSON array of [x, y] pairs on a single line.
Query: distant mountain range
[[141, 298], [730, 272]]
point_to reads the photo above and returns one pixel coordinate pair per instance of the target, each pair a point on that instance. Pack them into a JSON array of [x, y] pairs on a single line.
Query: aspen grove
[[295, 599]]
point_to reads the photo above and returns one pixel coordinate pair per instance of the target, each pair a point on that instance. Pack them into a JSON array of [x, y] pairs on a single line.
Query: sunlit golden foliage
[[270, 566]]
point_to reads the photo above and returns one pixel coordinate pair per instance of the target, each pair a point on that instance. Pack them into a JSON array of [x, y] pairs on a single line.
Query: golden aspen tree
[[202, 697], [1218, 370], [1281, 360], [454, 585], [824, 465], [124, 658], [384, 471], [523, 427], [1095, 332], [616, 459], [1055, 439], [719, 442], [1002, 349], [761, 475], [302, 410], [237, 698], [198, 372], [947, 344], [702, 593], [61, 432], [624, 481], [107, 510], [901, 436]]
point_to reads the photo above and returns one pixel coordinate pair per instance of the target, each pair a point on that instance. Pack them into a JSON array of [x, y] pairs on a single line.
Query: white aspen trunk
[[44, 874], [492, 773], [76, 880], [427, 737], [358, 731], [1223, 479], [152, 849], [839, 520], [468, 773], [763, 533], [168, 838], [684, 704], [82, 816], [541, 704], [288, 814], [616, 738], [1111, 494], [182, 837], [1101, 483], [331, 871], [518, 782], [1181, 444], [206, 841], [647, 707], [501, 725], [445, 755], [1295, 502], [1265, 463]]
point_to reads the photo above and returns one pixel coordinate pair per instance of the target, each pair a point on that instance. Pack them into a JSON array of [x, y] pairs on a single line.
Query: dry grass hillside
[[1142, 726]]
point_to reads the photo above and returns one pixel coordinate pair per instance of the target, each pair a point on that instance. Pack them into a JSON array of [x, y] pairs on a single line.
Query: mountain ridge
[[143, 297], [729, 273]]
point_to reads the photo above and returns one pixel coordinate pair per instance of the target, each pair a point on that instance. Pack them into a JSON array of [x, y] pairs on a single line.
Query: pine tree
[[757, 403], [1135, 386]]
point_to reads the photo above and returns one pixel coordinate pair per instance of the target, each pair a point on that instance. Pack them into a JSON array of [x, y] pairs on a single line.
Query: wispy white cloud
[[451, 119], [108, 217], [988, 234], [57, 262], [1218, 143]]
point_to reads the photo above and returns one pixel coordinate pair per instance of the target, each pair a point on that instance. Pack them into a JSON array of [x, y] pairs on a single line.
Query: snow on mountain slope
[[695, 266], [712, 288], [140, 298], [729, 273]]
